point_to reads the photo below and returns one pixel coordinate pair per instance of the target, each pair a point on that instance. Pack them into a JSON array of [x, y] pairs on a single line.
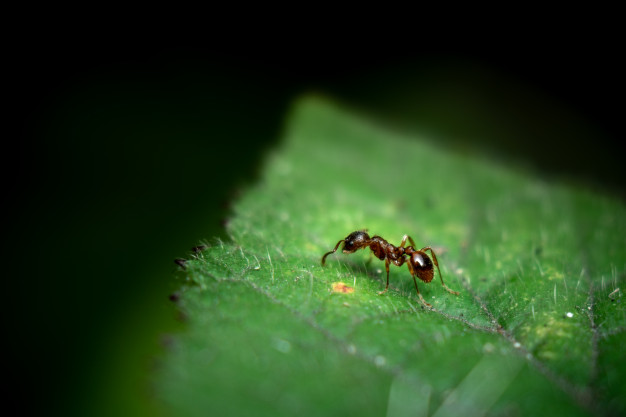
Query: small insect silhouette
[[419, 263]]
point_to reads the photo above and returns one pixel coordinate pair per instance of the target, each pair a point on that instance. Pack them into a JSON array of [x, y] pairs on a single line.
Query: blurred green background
[[125, 158]]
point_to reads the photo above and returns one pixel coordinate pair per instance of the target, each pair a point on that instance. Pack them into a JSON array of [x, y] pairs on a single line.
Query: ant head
[[355, 240]]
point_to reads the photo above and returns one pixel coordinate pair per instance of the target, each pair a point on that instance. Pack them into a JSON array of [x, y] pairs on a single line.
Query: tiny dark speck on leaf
[[181, 262], [401, 205], [182, 316], [167, 341], [199, 248], [174, 297]]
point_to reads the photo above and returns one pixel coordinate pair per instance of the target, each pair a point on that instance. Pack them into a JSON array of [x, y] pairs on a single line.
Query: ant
[[419, 263]]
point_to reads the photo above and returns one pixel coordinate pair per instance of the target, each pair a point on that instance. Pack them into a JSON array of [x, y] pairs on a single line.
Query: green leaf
[[538, 327]]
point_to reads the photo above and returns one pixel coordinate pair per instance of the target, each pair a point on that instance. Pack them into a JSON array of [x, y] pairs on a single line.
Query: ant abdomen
[[422, 266]]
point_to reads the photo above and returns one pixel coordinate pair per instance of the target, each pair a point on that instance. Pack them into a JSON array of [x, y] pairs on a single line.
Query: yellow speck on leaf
[[342, 288]]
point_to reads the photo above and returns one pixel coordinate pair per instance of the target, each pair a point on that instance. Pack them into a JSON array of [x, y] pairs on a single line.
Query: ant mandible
[[419, 263]]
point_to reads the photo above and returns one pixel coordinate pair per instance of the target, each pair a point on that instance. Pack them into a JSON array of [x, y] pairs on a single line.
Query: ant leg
[[420, 295], [437, 265], [404, 239], [332, 251], [387, 286], [417, 289]]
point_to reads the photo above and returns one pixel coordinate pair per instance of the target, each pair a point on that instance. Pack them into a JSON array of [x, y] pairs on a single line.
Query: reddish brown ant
[[419, 263]]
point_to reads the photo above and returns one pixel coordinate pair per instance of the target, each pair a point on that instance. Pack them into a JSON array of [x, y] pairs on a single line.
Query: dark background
[[123, 158]]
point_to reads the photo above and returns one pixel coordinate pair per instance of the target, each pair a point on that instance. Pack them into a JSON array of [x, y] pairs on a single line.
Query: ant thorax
[[379, 247]]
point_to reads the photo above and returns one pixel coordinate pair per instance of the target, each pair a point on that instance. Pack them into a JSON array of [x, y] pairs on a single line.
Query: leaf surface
[[538, 327]]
